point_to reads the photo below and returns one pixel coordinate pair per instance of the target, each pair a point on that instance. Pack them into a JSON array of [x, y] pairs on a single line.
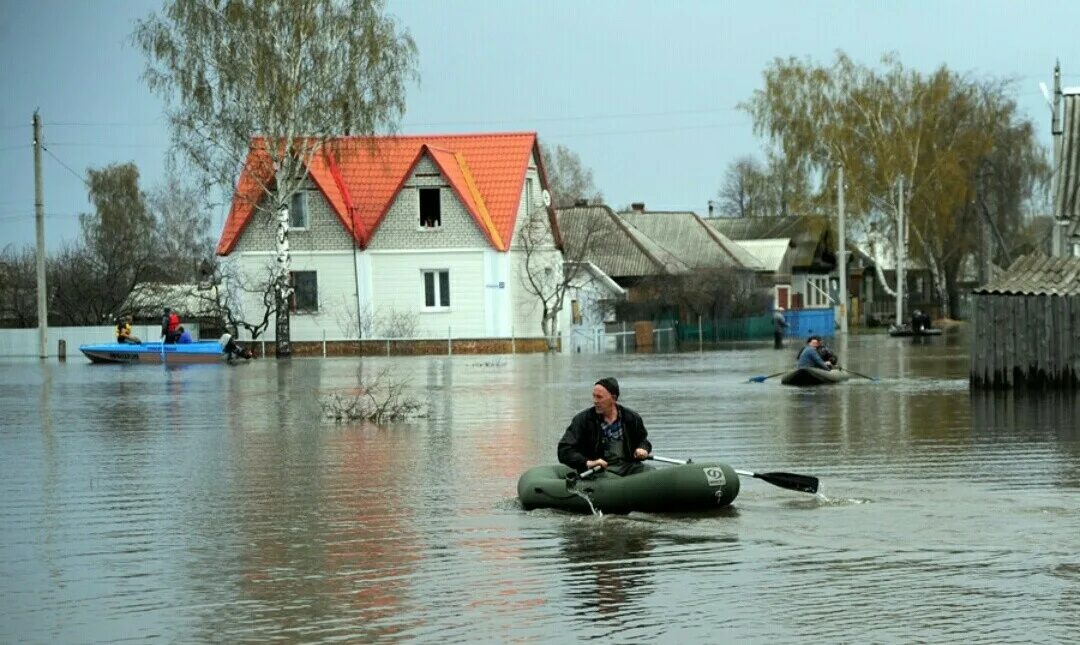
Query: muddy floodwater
[[210, 503]]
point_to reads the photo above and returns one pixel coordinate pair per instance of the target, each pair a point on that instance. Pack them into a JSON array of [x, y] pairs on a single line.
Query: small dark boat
[[813, 376], [904, 331], [687, 487]]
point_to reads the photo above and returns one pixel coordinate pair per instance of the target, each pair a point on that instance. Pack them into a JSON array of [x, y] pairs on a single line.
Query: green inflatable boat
[[688, 487]]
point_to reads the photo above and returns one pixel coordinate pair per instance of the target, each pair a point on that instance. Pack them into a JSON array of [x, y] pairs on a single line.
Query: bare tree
[[548, 274], [18, 287], [226, 291], [569, 180], [742, 191], [381, 398], [298, 74], [182, 215], [386, 323]]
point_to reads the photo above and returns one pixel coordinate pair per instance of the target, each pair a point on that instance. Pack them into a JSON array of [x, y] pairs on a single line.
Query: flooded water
[[210, 503]]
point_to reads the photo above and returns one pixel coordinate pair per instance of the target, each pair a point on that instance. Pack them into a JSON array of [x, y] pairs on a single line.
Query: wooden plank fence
[[1025, 341]]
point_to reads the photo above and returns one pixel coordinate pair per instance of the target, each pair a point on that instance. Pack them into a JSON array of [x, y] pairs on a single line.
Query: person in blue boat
[[123, 332], [184, 337], [170, 321], [607, 434], [810, 356]]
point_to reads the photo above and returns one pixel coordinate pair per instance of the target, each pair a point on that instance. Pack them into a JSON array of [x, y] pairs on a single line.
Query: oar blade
[[758, 379], [791, 481]]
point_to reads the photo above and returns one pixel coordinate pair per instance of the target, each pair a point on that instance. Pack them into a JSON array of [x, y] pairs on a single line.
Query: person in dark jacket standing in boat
[[607, 434]]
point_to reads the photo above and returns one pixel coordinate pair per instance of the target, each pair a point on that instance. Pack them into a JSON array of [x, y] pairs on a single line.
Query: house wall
[[336, 284], [528, 311], [488, 299], [398, 285], [400, 228], [325, 231]]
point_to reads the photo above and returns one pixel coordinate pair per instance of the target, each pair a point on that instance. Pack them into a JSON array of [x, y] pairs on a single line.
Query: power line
[[80, 144], [67, 167]]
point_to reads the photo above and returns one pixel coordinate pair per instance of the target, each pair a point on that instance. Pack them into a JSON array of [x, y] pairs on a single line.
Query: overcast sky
[[644, 92]]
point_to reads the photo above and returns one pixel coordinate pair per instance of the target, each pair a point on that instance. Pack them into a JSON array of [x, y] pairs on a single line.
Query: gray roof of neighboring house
[[614, 245], [770, 252], [1067, 188], [599, 277], [1037, 274], [689, 238], [806, 231]]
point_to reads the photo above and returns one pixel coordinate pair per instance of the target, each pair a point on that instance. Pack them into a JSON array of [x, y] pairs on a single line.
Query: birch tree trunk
[[283, 290], [937, 274]]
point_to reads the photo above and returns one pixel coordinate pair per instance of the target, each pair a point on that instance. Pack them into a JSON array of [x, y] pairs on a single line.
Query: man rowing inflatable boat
[[607, 435]]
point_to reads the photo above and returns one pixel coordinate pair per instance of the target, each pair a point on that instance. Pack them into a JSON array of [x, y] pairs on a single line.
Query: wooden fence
[[1025, 341]]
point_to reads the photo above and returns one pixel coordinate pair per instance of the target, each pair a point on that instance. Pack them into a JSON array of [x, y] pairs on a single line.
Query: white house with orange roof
[[416, 228]]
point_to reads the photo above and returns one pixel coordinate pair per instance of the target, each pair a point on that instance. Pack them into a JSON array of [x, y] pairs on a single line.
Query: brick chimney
[[638, 207]]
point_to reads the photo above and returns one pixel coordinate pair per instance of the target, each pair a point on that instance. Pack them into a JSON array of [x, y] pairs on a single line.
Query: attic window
[[298, 210], [430, 208]]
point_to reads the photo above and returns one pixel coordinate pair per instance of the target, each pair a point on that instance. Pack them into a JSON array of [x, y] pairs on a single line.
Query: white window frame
[[817, 292], [301, 197], [439, 276]]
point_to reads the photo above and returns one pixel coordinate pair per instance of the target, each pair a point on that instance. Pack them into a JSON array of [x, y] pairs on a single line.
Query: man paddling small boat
[[608, 435]]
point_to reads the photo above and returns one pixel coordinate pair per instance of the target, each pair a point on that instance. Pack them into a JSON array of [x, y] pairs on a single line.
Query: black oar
[[791, 481], [869, 378], [761, 379]]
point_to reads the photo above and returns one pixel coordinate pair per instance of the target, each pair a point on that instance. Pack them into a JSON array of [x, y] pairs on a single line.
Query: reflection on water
[[210, 503], [608, 564]]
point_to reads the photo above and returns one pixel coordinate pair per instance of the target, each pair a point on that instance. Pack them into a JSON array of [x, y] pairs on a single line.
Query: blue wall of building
[[803, 323]]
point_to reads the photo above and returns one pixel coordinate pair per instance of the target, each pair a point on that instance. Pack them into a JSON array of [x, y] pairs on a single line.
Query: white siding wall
[[528, 310], [398, 285], [336, 291]]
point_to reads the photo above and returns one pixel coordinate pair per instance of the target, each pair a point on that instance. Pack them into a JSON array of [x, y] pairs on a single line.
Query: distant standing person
[[779, 325]]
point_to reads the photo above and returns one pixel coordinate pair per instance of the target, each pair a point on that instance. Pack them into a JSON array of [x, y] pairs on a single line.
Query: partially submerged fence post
[[62, 350], [700, 346]]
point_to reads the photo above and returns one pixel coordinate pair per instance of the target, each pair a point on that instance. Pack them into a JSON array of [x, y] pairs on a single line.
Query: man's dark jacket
[[582, 440]]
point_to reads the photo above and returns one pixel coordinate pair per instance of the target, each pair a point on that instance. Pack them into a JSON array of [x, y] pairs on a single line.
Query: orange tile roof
[[361, 176]]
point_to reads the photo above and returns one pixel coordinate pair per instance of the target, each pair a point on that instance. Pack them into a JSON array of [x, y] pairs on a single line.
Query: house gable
[[325, 231], [361, 178], [400, 227]]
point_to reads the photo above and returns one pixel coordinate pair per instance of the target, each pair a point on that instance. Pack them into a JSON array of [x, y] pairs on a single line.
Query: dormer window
[[430, 208]]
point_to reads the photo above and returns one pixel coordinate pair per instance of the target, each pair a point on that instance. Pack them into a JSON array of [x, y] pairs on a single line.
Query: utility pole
[[843, 247], [39, 218], [901, 241], [1057, 243]]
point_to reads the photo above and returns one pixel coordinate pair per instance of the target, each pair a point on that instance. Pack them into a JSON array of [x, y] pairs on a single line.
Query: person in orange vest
[[123, 331], [170, 323]]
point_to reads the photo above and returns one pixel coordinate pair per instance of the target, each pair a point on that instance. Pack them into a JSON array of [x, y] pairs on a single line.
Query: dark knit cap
[[610, 384]]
